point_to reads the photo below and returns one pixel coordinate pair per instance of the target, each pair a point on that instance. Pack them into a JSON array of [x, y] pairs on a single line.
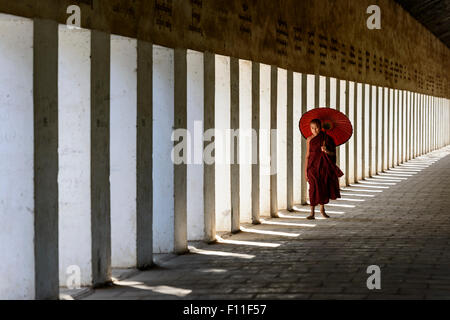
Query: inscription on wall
[[304, 36], [196, 17], [163, 15], [282, 38], [245, 20]]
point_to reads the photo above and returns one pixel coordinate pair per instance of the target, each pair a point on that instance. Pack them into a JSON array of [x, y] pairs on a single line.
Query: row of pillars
[[86, 127]]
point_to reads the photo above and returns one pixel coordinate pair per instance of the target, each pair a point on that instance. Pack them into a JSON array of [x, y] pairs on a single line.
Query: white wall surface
[[16, 159], [123, 151], [74, 68]]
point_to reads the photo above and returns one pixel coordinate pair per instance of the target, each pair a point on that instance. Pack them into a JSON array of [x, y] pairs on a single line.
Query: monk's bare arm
[[306, 157]]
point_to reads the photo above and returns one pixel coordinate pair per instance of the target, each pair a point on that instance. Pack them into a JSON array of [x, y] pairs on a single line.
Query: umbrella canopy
[[334, 123]]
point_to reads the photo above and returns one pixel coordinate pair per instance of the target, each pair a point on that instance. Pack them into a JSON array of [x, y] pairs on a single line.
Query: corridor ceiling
[[432, 14]]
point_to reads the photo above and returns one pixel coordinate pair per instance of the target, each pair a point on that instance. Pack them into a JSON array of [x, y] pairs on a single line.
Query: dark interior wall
[[309, 36]]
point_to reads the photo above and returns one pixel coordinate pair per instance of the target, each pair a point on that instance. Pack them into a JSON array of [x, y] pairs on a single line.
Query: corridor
[[398, 220], [152, 150]]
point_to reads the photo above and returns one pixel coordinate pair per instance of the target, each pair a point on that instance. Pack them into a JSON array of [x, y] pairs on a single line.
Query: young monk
[[321, 171]]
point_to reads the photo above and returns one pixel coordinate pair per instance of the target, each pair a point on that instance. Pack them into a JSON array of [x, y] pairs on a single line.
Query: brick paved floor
[[403, 226]]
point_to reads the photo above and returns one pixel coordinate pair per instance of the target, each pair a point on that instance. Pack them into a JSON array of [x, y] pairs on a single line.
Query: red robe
[[322, 171]]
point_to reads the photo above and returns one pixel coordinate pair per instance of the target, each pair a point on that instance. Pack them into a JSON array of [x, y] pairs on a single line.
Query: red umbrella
[[334, 123]]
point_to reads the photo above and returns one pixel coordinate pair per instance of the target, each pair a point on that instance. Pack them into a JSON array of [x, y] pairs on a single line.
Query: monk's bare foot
[[325, 215], [310, 217]]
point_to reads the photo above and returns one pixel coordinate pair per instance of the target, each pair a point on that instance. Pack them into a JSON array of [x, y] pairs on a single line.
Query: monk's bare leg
[[311, 216], [322, 211]]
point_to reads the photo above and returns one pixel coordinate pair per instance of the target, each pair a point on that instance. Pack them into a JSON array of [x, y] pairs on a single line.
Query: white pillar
[[264, 143], [16, 159], [367, 117], [426, 123], [418, 124], [123, 151], [419, 120], [195, 106], [281, 139], [359, 132], [310, 104], [332, 90], [411, 136], [222, 145], [310, 95], [343, 94], [163, 167], [394, 126], [75, 153], [304, 107], [322, 92], [433, 126], [289, 141], [381, 128], [416, 134], [245, 140], [386, 129], [406, 126], [374, 137], [391, 129], [409, 143], [297, 139], [353, 140]]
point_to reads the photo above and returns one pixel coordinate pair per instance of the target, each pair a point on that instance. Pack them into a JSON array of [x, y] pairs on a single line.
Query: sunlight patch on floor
[[247, 243], [173, 291], [272, 233], [220, 253], [287, 224]]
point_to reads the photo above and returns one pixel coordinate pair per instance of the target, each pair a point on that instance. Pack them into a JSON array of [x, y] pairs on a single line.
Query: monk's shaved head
[[317, 122]]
